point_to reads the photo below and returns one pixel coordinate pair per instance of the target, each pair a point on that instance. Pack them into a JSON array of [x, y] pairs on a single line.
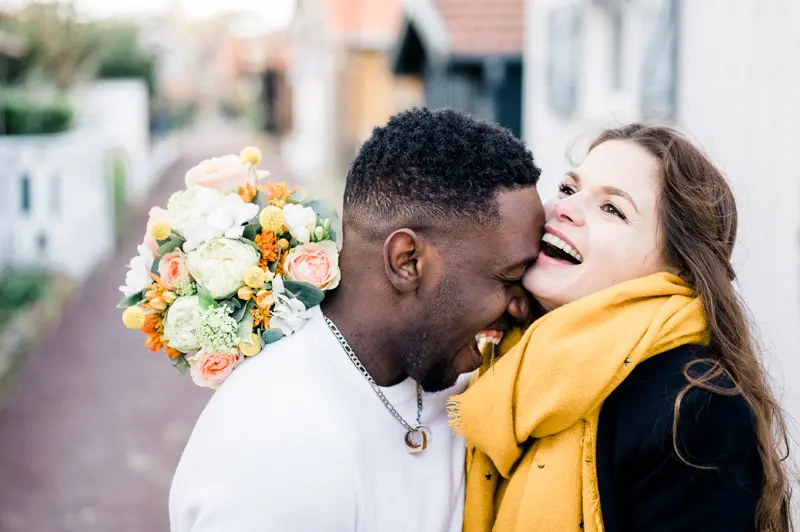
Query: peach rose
[[316, 263], [157, 214], [209, 370], [172, 269], [225, 174]]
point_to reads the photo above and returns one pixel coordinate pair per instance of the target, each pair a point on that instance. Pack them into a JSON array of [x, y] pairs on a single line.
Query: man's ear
[[401, 251]]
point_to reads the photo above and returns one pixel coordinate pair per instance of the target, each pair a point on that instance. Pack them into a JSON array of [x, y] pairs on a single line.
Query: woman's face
[[602, 228]]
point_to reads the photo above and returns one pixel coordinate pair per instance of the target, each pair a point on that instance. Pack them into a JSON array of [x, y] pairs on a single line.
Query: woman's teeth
[[554, 241]]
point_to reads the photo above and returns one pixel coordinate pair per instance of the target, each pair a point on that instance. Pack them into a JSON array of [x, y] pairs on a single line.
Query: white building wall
[[66, 222], [309, 148], [66, 219]]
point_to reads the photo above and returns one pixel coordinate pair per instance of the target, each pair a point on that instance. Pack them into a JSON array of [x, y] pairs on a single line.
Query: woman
[[637, 401]]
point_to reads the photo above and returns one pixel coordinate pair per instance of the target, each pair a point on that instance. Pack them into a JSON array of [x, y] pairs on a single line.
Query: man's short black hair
[[429, 164]]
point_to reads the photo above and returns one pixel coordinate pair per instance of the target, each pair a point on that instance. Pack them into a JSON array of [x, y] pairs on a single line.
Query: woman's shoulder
[[711, 424]]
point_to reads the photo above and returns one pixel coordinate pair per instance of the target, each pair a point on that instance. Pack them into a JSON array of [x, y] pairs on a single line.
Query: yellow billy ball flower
[[251, 347], [161, 230], [133, 317], [251, 154], [271, 219], [254, 277]]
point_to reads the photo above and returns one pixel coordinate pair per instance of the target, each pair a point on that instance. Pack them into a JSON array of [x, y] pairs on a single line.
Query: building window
[[564, 26], [25, 193], [660, 66]]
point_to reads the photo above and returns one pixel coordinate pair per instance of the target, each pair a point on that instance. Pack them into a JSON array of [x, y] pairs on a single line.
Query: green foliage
[[19, 289], [121, 55], [23, 116]]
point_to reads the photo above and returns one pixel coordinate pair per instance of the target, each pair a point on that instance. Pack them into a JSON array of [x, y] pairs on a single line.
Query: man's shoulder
[[283, 386]]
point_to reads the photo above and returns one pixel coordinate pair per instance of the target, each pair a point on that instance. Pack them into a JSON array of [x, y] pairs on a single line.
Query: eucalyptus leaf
[[261, 200], [310, 295], [251, 230], [173, 243], [250, 243], [206, 301], [132, 300], [271, 335], [156, 262], [246, 328], [180, 364], [239, 313]]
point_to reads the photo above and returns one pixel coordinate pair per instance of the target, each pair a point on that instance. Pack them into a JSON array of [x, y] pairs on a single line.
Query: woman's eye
[[611, 209], [565, 189]]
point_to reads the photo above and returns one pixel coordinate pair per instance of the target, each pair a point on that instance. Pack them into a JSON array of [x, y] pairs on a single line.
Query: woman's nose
[[568, 210]]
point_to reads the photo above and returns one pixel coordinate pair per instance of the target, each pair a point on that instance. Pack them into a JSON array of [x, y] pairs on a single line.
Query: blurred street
[[95, 429]]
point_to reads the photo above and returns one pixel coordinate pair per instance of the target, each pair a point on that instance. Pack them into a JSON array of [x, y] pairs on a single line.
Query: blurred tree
[[61, 48], [121, 55]]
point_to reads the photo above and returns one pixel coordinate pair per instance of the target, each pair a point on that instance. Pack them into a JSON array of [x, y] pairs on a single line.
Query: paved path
[[91, 436]]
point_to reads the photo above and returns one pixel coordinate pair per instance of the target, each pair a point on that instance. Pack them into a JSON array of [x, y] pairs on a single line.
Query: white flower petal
[[277, 285], [235, 232]]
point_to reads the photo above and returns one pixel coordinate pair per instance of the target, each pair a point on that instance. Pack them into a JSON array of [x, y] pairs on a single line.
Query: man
[[328, 430]]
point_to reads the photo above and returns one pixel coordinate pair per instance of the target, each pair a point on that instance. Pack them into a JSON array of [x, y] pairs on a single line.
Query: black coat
[[643, 484]]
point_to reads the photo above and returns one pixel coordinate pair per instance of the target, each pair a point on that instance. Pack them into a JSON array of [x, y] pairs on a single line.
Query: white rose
[[218, 265], [191, 207], [301, 221], [225, 219], [138, 276], [289, 314], [181, 322]]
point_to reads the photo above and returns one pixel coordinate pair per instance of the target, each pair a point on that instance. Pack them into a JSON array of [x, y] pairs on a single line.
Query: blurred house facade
[[468, 55], [342, 82], [727, 72], [274, 60]]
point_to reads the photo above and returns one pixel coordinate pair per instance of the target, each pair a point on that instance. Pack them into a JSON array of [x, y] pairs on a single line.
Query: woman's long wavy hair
[[698, 221]]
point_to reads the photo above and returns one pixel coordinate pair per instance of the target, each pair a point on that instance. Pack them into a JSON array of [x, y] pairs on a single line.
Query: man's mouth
[[489, 336], [484, 344], [556, 248]]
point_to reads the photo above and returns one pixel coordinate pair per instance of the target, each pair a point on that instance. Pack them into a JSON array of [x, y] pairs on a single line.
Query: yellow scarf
[[530, 419]]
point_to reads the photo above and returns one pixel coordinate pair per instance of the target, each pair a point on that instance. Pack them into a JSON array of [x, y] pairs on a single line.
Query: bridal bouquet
[[232, 264]]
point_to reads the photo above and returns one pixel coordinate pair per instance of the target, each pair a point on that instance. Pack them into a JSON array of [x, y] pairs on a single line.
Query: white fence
[[56, 203], [57, 191]]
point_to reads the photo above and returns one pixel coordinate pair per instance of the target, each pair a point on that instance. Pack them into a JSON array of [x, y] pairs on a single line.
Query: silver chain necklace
[[418, 436]]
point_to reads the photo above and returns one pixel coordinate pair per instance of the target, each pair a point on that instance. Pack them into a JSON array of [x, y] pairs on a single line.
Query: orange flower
[[278, 193], [269, 249], [260, 316], [247, 192], [173, 353], [264, 299], [154, 294], [279, 269], [154, 329]]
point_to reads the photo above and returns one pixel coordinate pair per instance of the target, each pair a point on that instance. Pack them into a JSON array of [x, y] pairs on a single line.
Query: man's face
[[472, 284]]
